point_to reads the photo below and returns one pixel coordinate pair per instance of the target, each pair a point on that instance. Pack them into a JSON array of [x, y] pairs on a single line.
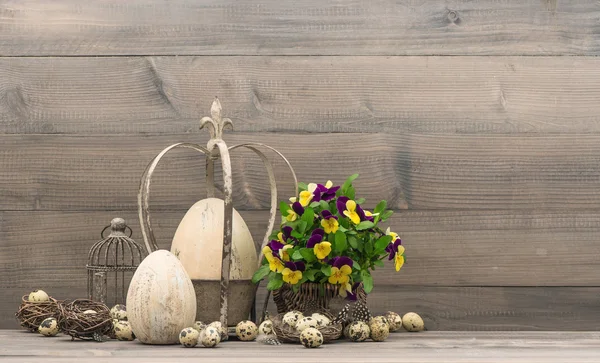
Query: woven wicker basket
[[288, 334]]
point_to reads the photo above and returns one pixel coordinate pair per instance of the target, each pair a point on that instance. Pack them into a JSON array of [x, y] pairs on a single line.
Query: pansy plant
[[327, 237]]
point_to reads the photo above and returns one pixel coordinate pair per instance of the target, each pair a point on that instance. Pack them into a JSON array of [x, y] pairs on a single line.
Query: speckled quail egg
[[48, 327], [210, 337], [346, 331], [306, 322], [321, 319], [118, 312], [123, 331], [291, 318], [198, 325], [222, 331], [379, 319], [90, 312], [38, 296], [358, 331], [311, 338], [188, 337], [394, 320], [266, 327], [379, 331], [246, 330], [413, 322]]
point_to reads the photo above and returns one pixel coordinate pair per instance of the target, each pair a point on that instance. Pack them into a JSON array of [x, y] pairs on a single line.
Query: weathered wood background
[[478, 121]]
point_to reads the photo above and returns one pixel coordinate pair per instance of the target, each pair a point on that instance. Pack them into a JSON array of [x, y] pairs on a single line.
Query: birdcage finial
[[216, 124]]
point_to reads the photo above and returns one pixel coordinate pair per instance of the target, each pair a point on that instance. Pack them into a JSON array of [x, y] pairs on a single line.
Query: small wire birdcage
[[111, 264]]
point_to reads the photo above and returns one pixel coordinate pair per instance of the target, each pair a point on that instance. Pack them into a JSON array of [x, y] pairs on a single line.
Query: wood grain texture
[[474, 248], [395, 95], [442, 308], [268, 27], [414, 171]]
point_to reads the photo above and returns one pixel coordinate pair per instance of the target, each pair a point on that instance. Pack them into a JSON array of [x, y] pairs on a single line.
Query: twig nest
[[223, 334], [188, 337], [358, 331], [311, 338], [379, 331], [123, 331], [85, 319], [321, 319], [246, 330], [413, 322], [118, 312], [38, 296], [305, 323], [49, 327], [394, 320], [210, 337], [266, 327], [291, 318], [32, 313], [199, 326]]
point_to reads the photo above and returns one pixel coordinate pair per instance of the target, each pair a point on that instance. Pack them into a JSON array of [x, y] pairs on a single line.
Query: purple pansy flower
[[327, 214], [392, 248], [298, 208], [340, 261], [341, 204], [316, 237], [352, 295], [329, 194], [295, 266]]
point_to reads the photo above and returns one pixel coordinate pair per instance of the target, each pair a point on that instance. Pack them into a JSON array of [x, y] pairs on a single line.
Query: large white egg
[[161, 299], [198, 243]]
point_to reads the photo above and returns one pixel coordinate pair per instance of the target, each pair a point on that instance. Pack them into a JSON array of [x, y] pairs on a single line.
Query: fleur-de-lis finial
[[216, 124]]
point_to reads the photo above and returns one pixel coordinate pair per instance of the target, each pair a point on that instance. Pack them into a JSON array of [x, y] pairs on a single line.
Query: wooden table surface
[[447, 347]]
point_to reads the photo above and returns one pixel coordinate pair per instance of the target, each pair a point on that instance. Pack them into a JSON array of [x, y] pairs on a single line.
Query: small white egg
[[413, 322], [48, 327], [118, 312], [321, 319], [266, 327], [123, 331], [38, 296], [358, 331], [305, 323], [90, 312], [246, 330], [210, 336], [188, 337], [394, 320], [224, 335], [291, 318], [311, 338]]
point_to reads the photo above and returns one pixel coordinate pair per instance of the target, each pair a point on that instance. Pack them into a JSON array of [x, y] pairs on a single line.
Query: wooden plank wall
[[477, 120]]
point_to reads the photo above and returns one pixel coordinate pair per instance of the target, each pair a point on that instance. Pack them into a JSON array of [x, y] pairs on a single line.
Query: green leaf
[[351, 193], [261, 273], [340, 241], [380, 207], [367, 280], [344, 222], [353, 242], [331, 238], [308, 255], [382, 243], [284, 208], [296, 288], [348, 183], [314, 204], [275, 284], [302, 186], [308, 217], [364, 225], [360, 201], [378, 263], [324, 279], [326, 270], [387, 214], [324, 205], [341, 228], [296, 256], [369, 248], [296, 234], [356, 265], [310, 274], [302, 225]]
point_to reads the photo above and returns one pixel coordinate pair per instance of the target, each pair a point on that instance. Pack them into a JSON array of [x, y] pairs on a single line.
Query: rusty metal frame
[[216, 149]]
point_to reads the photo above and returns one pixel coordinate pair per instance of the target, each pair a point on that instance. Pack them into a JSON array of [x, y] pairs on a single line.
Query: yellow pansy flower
[[350, 212], [322, 250]]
